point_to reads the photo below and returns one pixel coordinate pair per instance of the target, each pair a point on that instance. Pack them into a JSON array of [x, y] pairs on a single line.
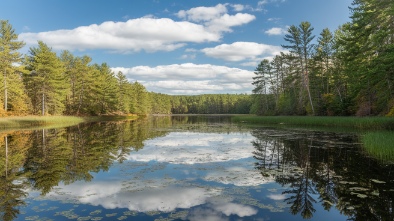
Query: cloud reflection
[[111, 195], [192, 148]]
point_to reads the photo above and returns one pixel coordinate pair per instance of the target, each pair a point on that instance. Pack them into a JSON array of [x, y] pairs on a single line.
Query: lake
[[191, 168]]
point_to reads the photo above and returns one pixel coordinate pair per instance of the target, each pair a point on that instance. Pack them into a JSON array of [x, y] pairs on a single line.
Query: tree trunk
[[5, 91]]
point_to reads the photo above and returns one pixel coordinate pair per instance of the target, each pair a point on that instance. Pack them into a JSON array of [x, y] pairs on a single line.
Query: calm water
[[190, 168]]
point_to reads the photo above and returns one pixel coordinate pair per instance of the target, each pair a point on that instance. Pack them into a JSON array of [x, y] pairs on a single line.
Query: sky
[[172, 46]]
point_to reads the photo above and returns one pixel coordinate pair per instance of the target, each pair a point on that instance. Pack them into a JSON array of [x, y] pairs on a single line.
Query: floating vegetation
[[83, 218], [362, 196], [32, 218], [70, 214], [378, 181], [130, 213], [97, 218], [153, 213], [358, 189], [95, 212], [111, 214], [122, 218], [179, 215]]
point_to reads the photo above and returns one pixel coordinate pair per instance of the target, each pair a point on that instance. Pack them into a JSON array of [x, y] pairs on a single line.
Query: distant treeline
[[348, 72]]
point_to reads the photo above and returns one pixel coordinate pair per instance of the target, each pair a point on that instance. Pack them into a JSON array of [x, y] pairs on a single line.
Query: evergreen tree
[[46, 84], [14, 97], [300, 45], [79, 76]]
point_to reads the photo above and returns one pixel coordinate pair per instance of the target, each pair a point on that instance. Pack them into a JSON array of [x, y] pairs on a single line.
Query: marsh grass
[[385, 123], [53, 121], [34, 121], [379, 144]]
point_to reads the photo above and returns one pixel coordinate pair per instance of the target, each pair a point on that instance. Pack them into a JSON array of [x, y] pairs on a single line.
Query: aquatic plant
[[386, 123], [379, 144]]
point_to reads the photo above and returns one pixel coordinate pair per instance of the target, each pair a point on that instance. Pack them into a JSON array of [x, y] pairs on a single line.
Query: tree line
[[346, 72], [43, 83]]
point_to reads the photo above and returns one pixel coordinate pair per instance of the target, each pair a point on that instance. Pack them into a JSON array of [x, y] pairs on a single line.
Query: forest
[[346, 72]]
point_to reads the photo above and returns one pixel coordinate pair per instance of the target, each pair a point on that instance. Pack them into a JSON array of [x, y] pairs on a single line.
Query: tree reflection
[[11, 184], [326, 168], [302, 186], [44, 158]]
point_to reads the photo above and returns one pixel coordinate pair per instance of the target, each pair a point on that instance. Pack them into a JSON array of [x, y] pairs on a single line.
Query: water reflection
[[328, 169], [189, 168]]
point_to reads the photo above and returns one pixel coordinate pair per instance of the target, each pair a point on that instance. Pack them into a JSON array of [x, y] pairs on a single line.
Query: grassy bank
[[385, 123], [61, 121], [379, 144]]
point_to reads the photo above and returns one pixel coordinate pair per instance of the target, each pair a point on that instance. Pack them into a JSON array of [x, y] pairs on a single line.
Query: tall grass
[[379, 144], [385, 123], [51, 121], [34, 121]]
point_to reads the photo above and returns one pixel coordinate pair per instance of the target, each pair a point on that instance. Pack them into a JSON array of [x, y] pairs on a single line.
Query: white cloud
[[216, 19], [189, 78], [147, 34], [238, 7], [199, 14], [262, 3], [276, 31], [225, 22], [239, 51]]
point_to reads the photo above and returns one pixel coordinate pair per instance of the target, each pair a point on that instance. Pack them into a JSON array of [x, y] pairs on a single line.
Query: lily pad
[[377, 181]]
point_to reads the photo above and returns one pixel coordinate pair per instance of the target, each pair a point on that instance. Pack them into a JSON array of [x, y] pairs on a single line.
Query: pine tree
[[14, 94], [46, 83], [300, 45]]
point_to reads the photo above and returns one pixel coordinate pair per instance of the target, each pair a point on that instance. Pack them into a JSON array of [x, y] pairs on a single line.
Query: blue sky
[[172, 46]]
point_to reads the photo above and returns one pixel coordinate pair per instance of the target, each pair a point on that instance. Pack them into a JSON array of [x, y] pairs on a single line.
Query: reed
[[379, 144], [34, 121], [385, 123]]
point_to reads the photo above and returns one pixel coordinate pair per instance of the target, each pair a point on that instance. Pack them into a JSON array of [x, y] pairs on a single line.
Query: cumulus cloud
[[199, 14], [148, 33], [189, 78], [239, 51], [238, 7], [216, 19], [276, 31]]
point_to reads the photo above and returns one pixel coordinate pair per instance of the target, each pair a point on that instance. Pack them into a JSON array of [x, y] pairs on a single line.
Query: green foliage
[[46, 83], [343, 122], [13, 97], [349, 72], [379, 144], [211, 104]]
